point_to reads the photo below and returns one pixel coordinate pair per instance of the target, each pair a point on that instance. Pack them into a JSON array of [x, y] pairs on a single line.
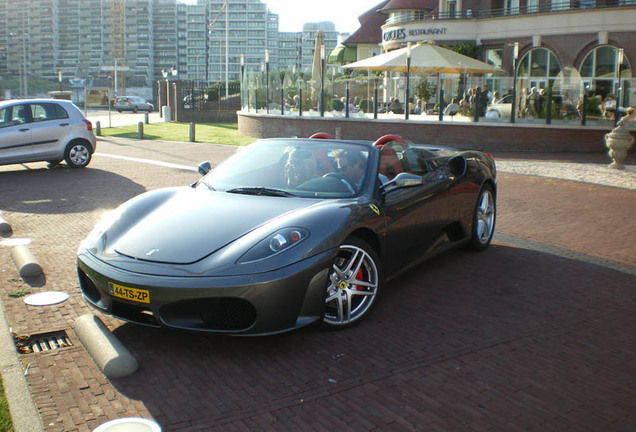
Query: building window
[[599, 71], [538, 68]]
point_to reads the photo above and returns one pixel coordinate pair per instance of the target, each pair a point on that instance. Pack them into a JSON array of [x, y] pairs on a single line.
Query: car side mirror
[[457, 166], [402, 180], [204, 168]]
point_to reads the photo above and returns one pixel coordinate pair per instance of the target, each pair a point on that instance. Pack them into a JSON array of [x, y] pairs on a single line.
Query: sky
[[292, 14]]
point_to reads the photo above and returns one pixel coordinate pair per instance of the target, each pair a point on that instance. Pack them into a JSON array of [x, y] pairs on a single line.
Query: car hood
[[184, 225]]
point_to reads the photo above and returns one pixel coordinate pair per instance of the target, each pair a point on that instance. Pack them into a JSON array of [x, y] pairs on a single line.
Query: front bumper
[[251, 304]]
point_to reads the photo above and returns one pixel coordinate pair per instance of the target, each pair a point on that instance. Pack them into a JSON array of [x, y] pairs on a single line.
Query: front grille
[[133, 313], [220, 314]]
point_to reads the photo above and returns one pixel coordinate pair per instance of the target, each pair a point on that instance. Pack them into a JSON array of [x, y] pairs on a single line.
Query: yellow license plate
[[127, 293]]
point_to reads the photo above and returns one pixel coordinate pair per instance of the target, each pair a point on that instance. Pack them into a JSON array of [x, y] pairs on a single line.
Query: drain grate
[[41, 342]]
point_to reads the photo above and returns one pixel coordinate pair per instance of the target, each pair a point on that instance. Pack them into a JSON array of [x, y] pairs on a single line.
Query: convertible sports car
[[285, 233]]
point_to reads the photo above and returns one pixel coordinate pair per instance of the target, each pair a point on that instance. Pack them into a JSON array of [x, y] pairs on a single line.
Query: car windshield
[[295, 167]]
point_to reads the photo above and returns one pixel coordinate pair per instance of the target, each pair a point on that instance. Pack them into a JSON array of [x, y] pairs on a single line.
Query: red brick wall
[[481, 136]]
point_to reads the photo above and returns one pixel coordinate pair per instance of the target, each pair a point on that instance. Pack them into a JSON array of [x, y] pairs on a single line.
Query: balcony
[[563, 6]]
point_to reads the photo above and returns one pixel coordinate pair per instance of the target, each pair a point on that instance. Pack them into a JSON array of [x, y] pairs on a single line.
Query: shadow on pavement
[[449, 337], [62, 190]]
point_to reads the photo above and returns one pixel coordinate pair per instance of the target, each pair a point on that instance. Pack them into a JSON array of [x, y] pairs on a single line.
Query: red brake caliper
[[359, 276]]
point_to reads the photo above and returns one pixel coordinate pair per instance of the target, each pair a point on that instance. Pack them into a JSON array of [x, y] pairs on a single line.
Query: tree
[[424, 89]]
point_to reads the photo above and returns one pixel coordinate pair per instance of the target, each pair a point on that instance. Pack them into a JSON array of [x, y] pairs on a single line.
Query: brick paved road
[[506, 340]]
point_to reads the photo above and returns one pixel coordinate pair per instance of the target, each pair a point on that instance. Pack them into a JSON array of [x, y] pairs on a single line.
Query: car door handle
[[63, 124], [24, 130]]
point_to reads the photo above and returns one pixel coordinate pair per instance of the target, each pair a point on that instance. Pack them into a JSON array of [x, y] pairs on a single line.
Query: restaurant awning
[[342, 54], [425, 57]]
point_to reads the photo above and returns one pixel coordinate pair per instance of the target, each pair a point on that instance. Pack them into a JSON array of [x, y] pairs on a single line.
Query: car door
[[418, 217], [15, 134], [50, 127]]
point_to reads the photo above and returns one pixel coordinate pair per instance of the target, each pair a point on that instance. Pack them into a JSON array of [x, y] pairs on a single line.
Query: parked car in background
[[49, 130], [501, 108], [132, 103]]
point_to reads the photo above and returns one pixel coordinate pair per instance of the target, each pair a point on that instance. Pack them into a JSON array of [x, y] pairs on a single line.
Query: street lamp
[[322, 80], [22, 71], [267, 81], [619, 59], [408, 71], [515, 55], [242, 86]]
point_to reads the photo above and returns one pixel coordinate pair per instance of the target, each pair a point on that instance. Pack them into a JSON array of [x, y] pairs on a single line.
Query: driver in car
[[351, 165]]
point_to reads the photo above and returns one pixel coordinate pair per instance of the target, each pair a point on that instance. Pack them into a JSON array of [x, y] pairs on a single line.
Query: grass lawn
[[213, 133], [5, 417]]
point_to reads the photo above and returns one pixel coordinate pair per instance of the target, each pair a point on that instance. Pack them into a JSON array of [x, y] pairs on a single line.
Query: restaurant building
[[574, 45]]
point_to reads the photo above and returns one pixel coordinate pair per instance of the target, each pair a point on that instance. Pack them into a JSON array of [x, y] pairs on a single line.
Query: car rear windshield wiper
[[261, 191]]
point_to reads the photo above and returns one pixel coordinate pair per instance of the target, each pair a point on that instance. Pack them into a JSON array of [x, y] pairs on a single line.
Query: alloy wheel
[[353, 286], [485, 217]]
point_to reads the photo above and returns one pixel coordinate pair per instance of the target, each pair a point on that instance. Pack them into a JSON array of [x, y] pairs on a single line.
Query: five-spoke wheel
[[484, 219], [354, 284]]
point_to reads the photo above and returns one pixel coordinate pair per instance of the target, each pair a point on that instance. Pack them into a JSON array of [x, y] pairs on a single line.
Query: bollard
[[110, 355], [147, 117], [98, 128], [25, 262], [140, 129], [167, 115], [5, 228], [192, 132]]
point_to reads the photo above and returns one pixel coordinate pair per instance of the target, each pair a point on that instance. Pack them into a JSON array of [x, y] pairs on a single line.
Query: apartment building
[[90, 39]]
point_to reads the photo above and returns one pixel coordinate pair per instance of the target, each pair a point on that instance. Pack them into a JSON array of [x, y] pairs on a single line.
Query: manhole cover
[[41, 342], [129, 424], [46, 298], [15, 242]]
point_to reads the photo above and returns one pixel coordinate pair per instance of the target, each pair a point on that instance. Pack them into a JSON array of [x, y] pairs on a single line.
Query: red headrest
[[321, 135], [387, 138]]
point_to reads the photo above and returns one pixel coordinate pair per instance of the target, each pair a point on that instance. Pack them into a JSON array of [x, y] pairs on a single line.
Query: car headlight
[[107, 220], [274, 244]]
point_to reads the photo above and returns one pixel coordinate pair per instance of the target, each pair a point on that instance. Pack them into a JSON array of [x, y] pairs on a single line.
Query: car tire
[[484, 218], [78, 154], [354, 284], [135, 110]]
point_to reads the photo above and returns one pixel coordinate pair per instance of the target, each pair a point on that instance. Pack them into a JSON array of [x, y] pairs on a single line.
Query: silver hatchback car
[[132, 103], [49, 130]]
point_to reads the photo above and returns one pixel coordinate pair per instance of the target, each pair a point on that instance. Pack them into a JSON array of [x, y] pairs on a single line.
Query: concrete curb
[[107, 351], [25, 262], [24, 414], [5, 228]]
